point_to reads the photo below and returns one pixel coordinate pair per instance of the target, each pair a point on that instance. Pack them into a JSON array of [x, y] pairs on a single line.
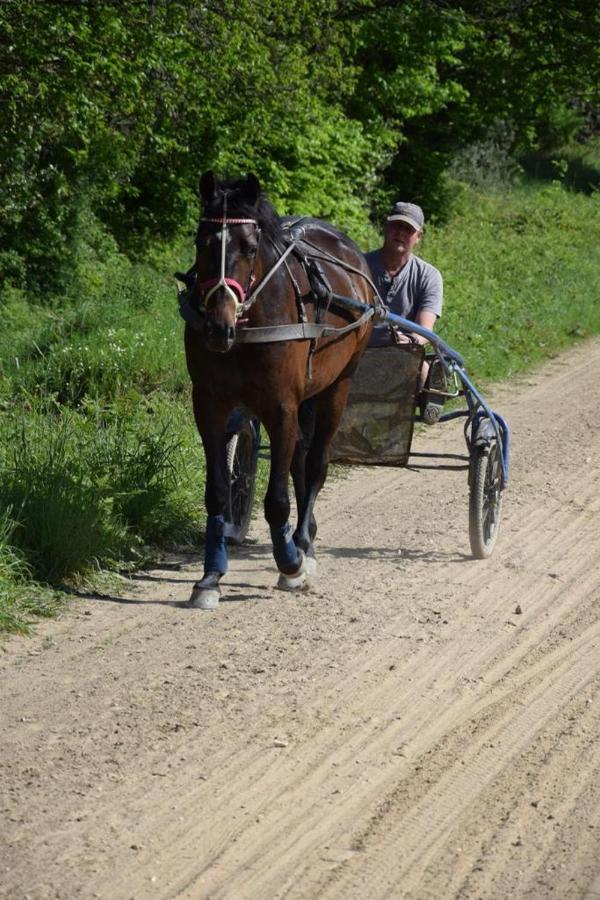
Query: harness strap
[[329, 257], [251, 298], [302, 331]]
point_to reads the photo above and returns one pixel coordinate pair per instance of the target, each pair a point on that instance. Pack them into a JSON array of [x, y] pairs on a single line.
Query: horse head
[[227, 255]]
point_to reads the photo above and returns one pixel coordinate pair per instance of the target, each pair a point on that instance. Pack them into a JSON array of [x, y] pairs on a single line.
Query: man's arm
[[426, 319], [430, 301]]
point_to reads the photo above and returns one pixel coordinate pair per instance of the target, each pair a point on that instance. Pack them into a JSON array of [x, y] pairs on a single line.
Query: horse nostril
[[231, 333]]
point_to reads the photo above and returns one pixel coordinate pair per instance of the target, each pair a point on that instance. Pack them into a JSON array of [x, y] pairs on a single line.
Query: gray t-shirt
[[416, 287]]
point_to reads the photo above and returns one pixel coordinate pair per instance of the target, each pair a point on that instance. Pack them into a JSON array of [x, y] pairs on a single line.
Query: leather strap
[[302, 331]]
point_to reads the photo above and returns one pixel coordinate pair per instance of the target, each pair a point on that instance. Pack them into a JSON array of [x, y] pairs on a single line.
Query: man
[[408, 286]]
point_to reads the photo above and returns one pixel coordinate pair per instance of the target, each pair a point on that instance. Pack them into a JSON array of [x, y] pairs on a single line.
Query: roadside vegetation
[[109, 118]]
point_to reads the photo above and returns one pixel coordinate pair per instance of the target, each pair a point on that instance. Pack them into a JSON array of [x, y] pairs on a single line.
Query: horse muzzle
[[218, 337]]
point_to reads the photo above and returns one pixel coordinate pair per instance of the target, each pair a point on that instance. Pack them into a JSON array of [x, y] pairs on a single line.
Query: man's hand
[[400, 337]]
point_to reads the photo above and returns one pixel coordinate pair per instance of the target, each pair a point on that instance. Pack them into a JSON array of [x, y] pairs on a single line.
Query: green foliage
[[111, 111], [576, 165], [486, 164], [521, 276], [116, 335], [441, 75], [92, 488], [115, 110], [21, 599]]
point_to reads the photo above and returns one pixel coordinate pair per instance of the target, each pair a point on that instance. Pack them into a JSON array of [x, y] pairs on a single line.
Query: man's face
[[401, 237]]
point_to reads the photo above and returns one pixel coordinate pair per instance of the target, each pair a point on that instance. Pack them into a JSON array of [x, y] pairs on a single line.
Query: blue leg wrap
[[287, 556], [215, 551]]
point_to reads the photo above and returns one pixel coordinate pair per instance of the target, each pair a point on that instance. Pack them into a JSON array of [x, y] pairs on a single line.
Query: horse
[[264, 332]]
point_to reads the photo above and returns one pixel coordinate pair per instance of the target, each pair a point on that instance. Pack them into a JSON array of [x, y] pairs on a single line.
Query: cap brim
[[399, 218]]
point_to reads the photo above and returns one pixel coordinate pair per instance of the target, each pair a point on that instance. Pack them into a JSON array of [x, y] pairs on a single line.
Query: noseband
[[231, 287]]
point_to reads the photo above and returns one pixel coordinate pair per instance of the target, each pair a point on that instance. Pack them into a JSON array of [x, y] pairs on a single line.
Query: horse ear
[[252, 188], [208, 186]]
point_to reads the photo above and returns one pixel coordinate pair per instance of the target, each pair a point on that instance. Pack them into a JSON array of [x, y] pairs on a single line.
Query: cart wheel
[[241, 464], [485, 499]]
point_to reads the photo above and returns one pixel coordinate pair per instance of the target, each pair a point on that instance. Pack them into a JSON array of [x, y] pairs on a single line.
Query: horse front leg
[[206, 592], [283, 432]]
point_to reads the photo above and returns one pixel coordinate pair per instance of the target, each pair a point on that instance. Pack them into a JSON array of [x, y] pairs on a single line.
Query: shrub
[[92, 489], [20, 597]]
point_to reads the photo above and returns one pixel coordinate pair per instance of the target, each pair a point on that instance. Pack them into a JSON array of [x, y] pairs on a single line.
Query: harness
[[309, 255]]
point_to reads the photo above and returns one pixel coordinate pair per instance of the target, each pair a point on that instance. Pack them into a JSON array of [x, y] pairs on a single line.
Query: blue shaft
[[405, 325]]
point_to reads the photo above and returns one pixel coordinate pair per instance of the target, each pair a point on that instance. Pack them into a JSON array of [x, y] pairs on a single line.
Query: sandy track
[[401, 731]]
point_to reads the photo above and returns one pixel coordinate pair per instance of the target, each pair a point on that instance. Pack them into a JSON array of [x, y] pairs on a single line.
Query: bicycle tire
[[485, 499], [241, 465]]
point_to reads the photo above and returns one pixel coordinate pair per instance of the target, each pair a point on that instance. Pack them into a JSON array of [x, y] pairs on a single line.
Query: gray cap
[[407, 212]]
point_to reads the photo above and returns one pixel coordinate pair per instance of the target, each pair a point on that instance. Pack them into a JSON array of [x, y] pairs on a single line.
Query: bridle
[[231, 287], [243, 298]]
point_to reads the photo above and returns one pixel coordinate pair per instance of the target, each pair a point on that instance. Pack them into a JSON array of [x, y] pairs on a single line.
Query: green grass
[[521, 277], [21, 597], [100, 464], [93, 487]]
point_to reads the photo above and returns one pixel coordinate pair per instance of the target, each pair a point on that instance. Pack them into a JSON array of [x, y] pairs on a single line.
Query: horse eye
[[251, 251]]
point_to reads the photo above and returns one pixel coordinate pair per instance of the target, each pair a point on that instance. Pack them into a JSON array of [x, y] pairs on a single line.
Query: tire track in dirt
[[461, 781], [413, 709]]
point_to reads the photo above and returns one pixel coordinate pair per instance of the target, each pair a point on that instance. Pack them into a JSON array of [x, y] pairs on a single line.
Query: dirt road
[[421, 725]]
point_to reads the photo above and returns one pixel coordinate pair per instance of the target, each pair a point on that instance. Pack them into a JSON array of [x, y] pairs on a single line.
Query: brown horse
[[264, 332]]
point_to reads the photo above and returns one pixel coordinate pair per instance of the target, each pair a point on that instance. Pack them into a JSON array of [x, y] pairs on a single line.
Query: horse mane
[[239, 206]]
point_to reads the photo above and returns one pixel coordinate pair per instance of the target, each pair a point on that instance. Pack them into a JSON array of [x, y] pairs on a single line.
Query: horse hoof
[[205, 593], [292, 582], [299, 580]]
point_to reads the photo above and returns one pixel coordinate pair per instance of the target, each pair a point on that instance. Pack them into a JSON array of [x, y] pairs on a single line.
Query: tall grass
[[521, 276], [91, 488], [21, 597]]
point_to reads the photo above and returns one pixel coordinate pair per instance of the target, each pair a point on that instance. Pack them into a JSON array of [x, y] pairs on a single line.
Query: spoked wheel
[[242, 454], [485, 499]]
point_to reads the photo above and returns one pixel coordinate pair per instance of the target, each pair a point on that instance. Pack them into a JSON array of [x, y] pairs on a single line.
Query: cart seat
[[377, 425]]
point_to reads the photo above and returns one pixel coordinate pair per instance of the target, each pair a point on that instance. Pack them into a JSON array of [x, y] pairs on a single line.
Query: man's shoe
[[434, 393], [431, 412]]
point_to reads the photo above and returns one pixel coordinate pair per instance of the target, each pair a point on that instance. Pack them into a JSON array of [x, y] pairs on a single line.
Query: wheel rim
[[491, 496]]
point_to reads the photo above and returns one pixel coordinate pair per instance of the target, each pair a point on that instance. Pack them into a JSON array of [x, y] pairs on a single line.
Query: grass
[[521, 277], [21, 597], [577, 166], [100, 464]]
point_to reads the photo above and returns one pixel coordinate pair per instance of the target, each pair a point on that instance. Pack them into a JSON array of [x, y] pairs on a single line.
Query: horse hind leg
[[306, 421], [328, 412], [290, 559]]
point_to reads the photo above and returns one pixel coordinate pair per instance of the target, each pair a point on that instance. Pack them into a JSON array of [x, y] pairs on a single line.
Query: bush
[[93, 488], [520, 276], [20, 598]]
